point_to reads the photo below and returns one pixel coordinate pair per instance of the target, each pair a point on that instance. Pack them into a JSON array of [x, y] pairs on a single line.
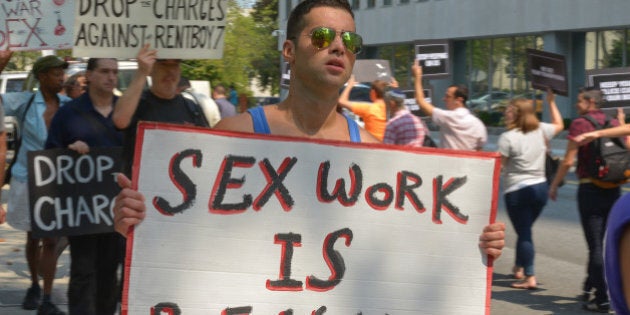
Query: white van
[[12, 81]]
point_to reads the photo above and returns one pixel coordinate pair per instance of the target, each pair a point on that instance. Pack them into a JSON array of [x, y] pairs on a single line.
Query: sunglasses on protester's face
[[322, 37]]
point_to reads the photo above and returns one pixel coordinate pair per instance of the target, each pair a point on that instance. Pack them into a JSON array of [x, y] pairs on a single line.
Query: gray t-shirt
[[525, 155]]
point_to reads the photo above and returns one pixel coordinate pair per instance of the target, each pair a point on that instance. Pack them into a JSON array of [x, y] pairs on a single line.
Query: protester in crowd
[[233, 95], [459, 128], [208, 106], [522, 148], [619, 131], [594, 202], [319, 67], [374, 114], [404, 128], [75, 85], [84, 123], [34, 111], [226, 108], [161, 103]]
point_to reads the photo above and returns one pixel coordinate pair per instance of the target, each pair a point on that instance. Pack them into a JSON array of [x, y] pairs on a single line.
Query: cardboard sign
[[182, 30], [412, 105], [368, 70], [434, 58], [548, 70], [614, 84], [35, 24], [71, 193], [253, 224]]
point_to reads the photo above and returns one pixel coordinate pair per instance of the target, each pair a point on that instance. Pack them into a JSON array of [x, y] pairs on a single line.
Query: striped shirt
[[405, 128]]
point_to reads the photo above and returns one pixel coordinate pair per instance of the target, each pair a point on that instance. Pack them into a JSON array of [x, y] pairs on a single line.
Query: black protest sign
[[71, 193], [434, 58], [614, 84], [547, 70], [368, 70], [412, 105]]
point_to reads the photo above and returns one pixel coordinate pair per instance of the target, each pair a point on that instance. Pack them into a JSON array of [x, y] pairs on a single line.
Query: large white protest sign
[[36, 24], [178, 29], [251, 224]]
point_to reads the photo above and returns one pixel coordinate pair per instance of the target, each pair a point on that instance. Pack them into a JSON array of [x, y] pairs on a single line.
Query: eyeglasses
[[322, 37]]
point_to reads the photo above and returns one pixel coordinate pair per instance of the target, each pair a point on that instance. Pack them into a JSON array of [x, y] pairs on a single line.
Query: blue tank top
[[261, 126]]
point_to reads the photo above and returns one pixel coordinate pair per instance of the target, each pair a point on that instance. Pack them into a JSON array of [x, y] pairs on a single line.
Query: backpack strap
[[195, 109], [594, 122]]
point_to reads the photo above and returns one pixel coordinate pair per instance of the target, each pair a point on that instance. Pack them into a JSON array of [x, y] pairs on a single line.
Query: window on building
[[497, 71], [404, 1], [387, 2], [607, 49], [371, 4], [356, 4]]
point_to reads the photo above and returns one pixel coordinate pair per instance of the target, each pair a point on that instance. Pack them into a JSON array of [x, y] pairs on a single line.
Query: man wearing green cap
[[34, 112]]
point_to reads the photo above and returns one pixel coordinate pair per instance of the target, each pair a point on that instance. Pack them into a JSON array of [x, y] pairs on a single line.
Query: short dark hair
[[92, 63], [460, 91], [594, 94], [296, 19]]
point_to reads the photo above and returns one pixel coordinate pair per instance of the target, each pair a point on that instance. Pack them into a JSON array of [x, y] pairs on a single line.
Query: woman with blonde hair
[[522, 148]]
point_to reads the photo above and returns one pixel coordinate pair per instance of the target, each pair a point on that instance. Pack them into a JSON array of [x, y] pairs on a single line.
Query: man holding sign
[[320, 48], [85, 123], [459, 128]]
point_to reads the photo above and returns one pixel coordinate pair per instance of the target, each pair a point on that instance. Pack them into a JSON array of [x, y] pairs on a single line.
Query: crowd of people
[[83, 111]]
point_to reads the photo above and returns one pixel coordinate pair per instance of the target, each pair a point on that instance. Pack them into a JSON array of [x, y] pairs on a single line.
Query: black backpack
[[610, 160]]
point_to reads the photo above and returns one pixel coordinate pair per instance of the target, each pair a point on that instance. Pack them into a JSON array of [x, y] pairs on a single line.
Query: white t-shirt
[[459, 129], [525, 155]]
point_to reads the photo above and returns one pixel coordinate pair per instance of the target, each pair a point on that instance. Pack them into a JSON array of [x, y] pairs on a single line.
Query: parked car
[[11, 82], [484, 101]]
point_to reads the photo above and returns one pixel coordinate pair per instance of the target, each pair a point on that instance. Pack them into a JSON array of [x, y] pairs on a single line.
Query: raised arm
[[426, 107], [344, 98], [128, 103], [622, 130], [556, 117]]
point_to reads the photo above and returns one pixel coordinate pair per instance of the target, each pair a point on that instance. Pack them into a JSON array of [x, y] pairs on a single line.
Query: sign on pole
[[72, 193], [548, 70], [181, 30], [254, 224], [36, 25], [434, 58], [614, 84]]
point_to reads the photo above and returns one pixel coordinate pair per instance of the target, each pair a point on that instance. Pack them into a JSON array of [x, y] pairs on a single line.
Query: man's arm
[[563, 169], [128, 103], [426, 107]]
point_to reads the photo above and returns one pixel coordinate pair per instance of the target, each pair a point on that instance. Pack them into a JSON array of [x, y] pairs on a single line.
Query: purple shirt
[[618, 219]]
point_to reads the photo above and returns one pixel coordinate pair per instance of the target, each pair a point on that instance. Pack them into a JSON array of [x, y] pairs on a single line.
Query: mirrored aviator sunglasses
[[322, 37]]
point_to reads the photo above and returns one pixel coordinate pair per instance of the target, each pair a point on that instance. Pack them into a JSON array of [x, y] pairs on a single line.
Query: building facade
[[489, 39]]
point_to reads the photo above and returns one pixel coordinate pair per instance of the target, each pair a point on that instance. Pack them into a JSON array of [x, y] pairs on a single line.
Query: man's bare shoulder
[[241, 122], [367, 137]]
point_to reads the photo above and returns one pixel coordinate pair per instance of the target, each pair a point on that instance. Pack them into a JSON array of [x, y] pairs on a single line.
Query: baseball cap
[[48, 62], [397, 94]]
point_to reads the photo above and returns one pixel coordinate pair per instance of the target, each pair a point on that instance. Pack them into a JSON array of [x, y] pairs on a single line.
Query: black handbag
[[18, 142], [551, 168]]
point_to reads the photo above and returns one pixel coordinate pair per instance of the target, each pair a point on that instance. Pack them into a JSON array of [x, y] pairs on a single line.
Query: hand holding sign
[[129, 208]]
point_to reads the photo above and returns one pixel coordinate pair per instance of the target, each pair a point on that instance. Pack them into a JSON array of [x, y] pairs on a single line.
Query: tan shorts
[[18, 214]]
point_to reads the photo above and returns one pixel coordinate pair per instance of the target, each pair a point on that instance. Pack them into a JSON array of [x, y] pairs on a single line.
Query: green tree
[[614, 58], [266, 65]]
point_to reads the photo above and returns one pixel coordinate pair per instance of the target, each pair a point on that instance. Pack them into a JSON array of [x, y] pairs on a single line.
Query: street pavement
[[560, 279]]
